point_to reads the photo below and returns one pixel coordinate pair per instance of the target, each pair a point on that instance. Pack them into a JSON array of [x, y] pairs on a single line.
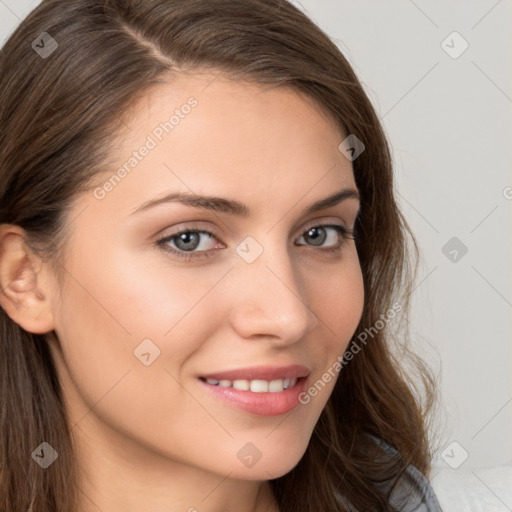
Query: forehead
[[227, 101], [205, 133]]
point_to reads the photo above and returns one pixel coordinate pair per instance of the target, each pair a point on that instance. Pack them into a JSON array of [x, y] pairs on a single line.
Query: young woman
[[202, 266]]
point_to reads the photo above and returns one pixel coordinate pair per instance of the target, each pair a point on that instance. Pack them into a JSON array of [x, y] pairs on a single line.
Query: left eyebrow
[[220, 204]]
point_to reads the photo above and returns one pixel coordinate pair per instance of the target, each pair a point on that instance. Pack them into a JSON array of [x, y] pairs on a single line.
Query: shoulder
[[413, 492]]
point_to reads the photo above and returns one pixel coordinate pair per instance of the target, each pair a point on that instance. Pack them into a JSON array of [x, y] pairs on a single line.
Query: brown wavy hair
[[59, 118]]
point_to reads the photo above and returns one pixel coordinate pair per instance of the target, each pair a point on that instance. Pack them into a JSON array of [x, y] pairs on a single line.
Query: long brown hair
[[59, 115]]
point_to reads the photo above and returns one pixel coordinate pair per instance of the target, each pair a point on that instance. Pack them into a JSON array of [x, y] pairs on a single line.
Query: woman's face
[[146, 315]]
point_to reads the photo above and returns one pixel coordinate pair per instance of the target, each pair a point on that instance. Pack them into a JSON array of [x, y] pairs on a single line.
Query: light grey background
[[449, 121]]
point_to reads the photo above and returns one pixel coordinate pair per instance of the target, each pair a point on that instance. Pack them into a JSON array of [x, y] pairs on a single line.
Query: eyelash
[[346, 234]]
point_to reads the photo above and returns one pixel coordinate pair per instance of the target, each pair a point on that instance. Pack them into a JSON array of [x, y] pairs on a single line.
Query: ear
[[24, 286]]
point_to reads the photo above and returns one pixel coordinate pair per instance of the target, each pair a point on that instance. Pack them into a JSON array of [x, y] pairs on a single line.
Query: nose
[[270, 301]]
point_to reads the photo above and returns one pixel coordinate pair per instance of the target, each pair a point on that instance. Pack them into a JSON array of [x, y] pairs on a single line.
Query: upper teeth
[[257, 386]]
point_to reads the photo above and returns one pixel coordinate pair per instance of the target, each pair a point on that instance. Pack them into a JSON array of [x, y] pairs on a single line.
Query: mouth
[[263, 391], [255, 386]]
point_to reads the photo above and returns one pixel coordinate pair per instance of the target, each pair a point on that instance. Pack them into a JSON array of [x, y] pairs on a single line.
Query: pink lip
[[262, 404], [294, 371]]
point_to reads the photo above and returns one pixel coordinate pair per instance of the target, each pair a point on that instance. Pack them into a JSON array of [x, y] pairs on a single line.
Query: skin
[[150, 437]]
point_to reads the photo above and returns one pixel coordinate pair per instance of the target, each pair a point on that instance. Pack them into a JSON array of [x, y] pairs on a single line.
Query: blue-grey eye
[[316, 235]]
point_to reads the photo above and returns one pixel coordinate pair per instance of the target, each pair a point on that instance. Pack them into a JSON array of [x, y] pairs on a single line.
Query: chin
[[273, 462]]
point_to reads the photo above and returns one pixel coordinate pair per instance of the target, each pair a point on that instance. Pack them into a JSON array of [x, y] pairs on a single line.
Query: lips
[[258, 390]]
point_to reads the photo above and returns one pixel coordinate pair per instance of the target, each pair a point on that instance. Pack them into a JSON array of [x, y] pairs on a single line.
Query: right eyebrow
[[220, 204]]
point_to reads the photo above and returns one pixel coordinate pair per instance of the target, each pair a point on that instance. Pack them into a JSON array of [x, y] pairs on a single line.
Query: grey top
[[414, 494]]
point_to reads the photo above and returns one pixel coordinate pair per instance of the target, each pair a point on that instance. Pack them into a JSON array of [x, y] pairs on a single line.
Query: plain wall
[[449, 122]]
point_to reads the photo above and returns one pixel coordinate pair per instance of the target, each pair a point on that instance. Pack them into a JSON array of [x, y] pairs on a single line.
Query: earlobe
[[22, 288]]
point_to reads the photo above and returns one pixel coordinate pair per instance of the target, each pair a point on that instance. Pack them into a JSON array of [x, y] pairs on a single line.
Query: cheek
[[111, 306], [107, 311], [338, 300], [110, 309]]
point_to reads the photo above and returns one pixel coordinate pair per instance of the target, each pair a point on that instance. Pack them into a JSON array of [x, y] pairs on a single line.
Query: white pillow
[[473, 490]]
